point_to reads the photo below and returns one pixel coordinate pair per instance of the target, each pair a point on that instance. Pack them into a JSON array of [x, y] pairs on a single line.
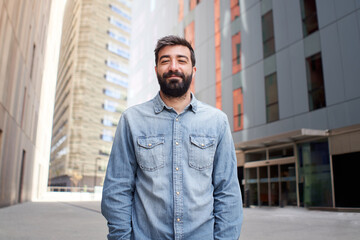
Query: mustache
[[172, 73]]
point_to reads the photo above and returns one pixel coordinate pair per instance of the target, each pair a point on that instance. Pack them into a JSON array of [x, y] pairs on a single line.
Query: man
[[172, 169]]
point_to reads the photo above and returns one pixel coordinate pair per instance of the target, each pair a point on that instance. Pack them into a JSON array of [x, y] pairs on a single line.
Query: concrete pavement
[[83, 220]]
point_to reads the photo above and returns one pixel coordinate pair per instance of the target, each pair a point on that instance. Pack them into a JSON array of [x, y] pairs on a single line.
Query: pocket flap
[[150, 142], [202, 141]]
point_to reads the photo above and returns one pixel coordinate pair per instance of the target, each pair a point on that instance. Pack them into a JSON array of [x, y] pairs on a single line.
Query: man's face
[[174, 70]]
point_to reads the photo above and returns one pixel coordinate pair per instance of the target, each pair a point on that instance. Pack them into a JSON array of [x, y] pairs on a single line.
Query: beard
[[174, 87]]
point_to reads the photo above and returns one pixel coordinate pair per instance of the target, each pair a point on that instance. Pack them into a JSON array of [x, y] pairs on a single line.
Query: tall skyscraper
[[286, 74], [29, 44], [91, 91]]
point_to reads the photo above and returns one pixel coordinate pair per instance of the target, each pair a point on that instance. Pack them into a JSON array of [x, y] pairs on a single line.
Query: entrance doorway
[[271, 183], [345, 169]]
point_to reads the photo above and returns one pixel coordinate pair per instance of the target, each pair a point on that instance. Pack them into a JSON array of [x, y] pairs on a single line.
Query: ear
[[194, 71], [155, 69]]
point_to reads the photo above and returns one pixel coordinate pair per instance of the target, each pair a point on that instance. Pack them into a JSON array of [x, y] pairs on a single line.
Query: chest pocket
[[150, 152], [202, 151]]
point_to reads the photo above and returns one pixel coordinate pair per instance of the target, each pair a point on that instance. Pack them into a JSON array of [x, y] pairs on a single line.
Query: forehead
[[174, 51]]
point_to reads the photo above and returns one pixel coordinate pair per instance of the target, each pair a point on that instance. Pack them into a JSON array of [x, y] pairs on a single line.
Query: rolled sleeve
[[228, 210], [119, 184]]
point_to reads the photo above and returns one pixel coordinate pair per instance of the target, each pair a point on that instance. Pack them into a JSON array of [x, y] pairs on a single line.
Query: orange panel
[[217, 39], [217, 54], [192, 4], [189, 34], [218, 102], [234, 3], [235, 12], [217, 57], [181, 10]]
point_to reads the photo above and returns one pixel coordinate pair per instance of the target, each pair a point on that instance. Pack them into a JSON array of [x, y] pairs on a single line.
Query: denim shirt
[[172, 176]]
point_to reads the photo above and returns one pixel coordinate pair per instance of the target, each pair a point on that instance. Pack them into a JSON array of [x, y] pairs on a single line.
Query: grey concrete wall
[[337, 39]]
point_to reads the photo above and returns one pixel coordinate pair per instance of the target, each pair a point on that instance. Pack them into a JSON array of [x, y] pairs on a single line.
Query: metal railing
[[71, 189]]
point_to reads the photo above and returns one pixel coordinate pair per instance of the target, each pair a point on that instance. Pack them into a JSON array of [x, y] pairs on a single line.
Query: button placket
[[177, 178]]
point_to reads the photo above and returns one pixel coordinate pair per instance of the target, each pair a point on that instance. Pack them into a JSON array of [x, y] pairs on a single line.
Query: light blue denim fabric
[[172, 176]]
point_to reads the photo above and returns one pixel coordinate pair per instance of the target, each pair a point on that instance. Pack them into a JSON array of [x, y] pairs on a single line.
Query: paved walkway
[[83, 220]]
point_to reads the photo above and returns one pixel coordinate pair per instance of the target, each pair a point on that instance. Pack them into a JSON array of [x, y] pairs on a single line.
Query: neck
[[177, 103]]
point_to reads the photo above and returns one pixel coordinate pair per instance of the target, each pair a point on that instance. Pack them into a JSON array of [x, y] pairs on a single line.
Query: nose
[[173, 65]]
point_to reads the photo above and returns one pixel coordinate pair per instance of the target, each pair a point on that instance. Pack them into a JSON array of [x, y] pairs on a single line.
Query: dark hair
[[172, 40]]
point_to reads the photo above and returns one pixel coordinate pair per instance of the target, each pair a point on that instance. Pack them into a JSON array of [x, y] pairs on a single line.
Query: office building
[[91, 90], [286, 74], [28, 29]]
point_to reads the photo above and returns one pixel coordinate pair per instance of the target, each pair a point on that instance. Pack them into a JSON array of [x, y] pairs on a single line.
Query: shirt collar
[[159, 104]]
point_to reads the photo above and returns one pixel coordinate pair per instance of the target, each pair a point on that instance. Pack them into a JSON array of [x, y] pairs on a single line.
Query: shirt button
[[178, 219], [202, 145], [149, 144], [177, 119], [177, 193], [177, 143], [177, 169]]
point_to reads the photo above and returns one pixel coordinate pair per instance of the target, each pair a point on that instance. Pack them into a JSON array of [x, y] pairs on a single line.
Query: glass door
[[264, 186], [288, 185], [274, 185], [252, 187]]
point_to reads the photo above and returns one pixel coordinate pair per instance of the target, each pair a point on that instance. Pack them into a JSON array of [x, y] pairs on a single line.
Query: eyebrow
[[178, 56]]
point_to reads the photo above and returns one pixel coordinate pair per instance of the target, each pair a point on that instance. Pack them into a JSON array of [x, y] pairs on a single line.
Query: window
[[112, 93], [125, 3], [108, 121], [238, 109], [255, 156], [110, 106], [116, 78], [271, 96], [268, 34], [120, 12], [119, 37], [236, 53], [309, 16], [22, 173], [113, 106], [315, 80], [23, 107], [235, 9], [117, 66], [105, 150], [275, 153], [32, 61], [120, 24], [58, 143], [107, 135], [0, 141], [118, 50]]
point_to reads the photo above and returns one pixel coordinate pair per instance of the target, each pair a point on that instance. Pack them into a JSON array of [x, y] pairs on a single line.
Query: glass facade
[[271, 177], [314, 174]]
